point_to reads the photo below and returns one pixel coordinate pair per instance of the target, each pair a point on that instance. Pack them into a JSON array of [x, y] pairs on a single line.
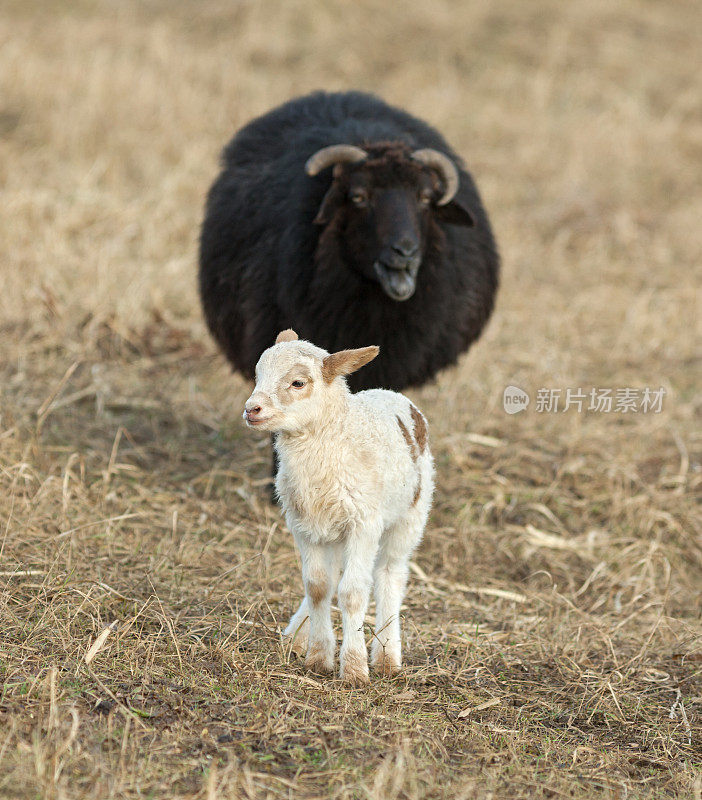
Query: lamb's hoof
[[387, 664], [319, 659], [354, 669], [356, 679]]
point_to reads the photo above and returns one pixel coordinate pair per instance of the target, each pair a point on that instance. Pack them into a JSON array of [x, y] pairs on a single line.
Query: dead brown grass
[[553, 620]]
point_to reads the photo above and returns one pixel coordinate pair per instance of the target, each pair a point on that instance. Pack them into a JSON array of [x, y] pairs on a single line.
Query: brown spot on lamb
[[408, 438], [420, 428]]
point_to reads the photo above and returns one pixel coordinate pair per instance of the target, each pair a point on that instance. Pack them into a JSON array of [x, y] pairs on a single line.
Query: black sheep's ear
[[455, 213], [330, 203]]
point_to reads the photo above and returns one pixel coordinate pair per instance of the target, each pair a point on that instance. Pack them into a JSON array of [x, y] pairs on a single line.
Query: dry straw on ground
[[554, 625]]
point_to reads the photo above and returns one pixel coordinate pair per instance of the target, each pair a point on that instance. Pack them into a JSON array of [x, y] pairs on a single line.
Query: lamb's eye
[[297, 384], [358, 198]]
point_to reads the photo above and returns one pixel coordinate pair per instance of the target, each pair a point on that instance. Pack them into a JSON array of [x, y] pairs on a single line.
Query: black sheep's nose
[[406, 248]]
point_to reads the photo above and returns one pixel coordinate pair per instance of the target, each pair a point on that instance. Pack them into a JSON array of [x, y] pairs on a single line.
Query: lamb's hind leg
[[297, 632], [390, 582], [298, 629]]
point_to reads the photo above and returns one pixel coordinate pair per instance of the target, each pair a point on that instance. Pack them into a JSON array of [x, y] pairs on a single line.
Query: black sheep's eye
[[358, 198], [425, 198], [298, 384]]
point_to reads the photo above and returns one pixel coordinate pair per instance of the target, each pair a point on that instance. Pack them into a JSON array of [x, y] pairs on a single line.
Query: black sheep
[[353, 223]]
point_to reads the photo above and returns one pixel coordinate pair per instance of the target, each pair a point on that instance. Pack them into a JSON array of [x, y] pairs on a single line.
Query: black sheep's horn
[[335, 154], [447, 170]]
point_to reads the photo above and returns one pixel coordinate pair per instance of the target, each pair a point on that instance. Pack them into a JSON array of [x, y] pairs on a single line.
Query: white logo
[[514, 399]]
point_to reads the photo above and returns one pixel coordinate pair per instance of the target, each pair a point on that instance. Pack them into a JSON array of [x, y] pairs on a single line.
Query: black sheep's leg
[[274, 469]]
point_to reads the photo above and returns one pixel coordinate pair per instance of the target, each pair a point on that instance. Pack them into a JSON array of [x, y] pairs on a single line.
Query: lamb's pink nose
[[252, 410]]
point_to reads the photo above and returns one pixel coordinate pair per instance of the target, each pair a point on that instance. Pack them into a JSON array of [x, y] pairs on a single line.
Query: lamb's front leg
[[354, 594], [319, 577]]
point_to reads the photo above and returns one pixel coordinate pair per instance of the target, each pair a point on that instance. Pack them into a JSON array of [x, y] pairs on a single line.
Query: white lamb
[[355, 481]]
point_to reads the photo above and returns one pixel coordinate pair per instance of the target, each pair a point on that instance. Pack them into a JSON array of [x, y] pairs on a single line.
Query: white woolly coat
[[367, 463]]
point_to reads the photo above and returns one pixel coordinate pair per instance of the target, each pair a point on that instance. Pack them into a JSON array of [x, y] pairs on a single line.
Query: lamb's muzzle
[[355, 483]]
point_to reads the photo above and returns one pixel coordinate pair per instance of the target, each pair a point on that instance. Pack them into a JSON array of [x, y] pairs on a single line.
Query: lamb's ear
[[455, 213], [332, 199], [288, 335], [347, 361]]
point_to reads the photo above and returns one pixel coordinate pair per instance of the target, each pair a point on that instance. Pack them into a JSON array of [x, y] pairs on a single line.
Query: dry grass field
[[553, 620]]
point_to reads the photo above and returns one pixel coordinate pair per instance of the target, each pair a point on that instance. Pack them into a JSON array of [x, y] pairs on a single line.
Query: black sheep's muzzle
[[399, 283]]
